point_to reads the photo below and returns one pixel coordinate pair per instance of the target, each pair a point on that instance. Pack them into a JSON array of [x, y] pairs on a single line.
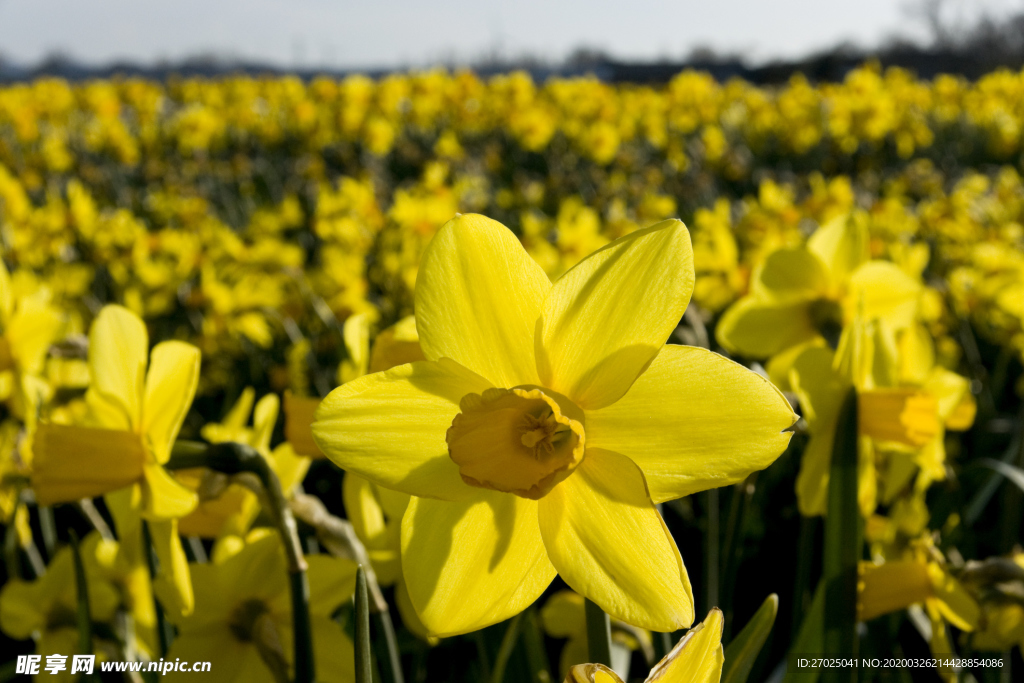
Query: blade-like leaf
[[810, 640], [1011, 472], [743, 650], [842, 543]]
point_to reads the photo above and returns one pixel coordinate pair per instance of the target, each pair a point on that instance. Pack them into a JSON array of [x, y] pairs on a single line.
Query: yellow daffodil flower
[[997, 582], [802, 294], [546, 422], [46, 609], [243, 623], [227, 507], [698, 657], [564, 616], [918, 576], [900, 417], [28, 325], [134, 417], [133, 582]]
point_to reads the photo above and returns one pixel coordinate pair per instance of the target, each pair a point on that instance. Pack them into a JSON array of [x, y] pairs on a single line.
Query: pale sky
[[396, 33]]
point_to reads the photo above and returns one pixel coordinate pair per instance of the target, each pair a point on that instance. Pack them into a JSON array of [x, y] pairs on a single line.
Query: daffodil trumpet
[[234, 458]]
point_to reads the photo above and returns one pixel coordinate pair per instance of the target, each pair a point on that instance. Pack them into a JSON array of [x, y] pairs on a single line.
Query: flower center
[[245, 620], [251, 622], [523, 440], [906, 416], [827, 318]]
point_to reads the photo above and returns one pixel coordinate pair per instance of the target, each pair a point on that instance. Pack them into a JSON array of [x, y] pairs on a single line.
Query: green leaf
[[599, 635], [842, 540], [810, 641], [1011, 472], [743, 650]]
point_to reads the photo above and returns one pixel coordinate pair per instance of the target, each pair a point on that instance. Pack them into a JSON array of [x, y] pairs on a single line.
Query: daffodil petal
[[698, 657], [30, 332], [363, 510], [821, 391], [879, 289], [563, 615], [71, 463], [218, 645], [478, 295], [949, 389], [258, 569], [607, 317], [20, 609], [289, 467], [118, 343], [841, 244], [693, 421], [170, 386], [332, 582], [758, 329], [298, 421], [264, 418], [953, 601], [6, 294], [173, 584], [163, 496], [334, 656], [473, 563], [390, 427], [791, 273], [607, 540]]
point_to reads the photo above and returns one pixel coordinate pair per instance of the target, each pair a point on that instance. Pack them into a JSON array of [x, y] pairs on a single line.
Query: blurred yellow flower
[[134, 418], [243, 621]]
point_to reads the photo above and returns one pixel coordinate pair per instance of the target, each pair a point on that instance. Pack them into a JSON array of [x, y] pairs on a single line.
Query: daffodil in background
[[28, 325], [915, 573], [546, 423], [242, 619], [806, 295], [902, 414], [563, 616], [46, 609], [229, 508], [133, 419]]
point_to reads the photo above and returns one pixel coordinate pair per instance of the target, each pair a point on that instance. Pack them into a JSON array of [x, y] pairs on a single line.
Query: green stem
[[734, 529], [162, 628], [662, 643], [536, 657], [599, 635], [84, 617], [235, 458], [89, 511], [802, 586], [364, 660], [482, 655], [49, 528], [508, 643], [712, 545], [842, 546]]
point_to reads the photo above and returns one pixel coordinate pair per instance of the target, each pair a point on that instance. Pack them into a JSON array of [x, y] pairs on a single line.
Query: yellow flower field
[[594, 382]]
